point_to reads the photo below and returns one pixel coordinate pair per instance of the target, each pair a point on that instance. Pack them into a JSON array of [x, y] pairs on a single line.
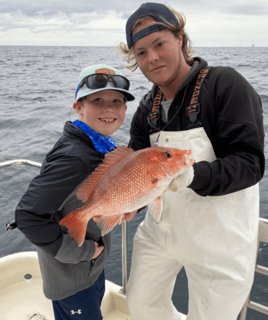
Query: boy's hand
[[98, 250]]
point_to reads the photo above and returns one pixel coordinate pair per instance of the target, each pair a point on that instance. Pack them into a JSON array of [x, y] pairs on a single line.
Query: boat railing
[[12, 225], [19, 161]]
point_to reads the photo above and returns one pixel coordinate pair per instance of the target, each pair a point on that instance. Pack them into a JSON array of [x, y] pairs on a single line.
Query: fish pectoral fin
[[106, 224], [156, 208], [85, 189], [76, 226]]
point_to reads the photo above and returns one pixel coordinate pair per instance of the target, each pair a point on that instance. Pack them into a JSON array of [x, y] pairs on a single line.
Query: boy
[[73, 277]]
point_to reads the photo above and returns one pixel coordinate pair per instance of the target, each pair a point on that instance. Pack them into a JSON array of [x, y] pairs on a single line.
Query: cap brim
[[129, 96]]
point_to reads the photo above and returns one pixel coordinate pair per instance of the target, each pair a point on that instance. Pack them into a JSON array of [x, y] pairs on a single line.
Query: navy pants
[[84, 305]]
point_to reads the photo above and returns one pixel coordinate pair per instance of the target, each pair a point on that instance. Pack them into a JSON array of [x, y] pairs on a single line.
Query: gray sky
[[102, 23]]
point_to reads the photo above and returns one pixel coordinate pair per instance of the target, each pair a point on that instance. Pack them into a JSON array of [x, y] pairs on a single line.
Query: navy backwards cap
[[155, 10]]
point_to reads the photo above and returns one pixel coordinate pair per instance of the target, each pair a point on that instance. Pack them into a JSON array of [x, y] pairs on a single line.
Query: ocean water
[[37, 87]]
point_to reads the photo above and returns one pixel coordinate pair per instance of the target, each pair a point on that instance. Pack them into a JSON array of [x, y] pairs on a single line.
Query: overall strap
[[154, 115], [191, 111], [194, 108]]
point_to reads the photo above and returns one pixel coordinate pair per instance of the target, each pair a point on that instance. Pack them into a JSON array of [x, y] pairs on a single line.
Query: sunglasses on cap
[[100, 80]]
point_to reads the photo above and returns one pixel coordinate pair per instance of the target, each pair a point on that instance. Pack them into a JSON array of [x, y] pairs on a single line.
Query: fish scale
[[125, 182]]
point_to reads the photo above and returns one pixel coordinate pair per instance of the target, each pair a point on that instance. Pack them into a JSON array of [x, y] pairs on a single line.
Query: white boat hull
[[22, 298]]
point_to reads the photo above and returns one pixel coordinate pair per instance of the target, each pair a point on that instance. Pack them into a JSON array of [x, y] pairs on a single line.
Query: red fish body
[[124, 182]]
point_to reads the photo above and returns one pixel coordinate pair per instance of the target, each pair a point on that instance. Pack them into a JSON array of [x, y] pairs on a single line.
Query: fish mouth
[[187, 161]]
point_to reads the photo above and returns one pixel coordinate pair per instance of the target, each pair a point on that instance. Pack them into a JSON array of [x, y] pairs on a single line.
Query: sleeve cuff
[[202, 176]]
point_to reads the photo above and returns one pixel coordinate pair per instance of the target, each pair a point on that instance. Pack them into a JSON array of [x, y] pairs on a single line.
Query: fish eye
[[168, 154]]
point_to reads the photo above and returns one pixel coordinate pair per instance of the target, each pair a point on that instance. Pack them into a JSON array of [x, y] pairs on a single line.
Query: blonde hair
[[186, 42]]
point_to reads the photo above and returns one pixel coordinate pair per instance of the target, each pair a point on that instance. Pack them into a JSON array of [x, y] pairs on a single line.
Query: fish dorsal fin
[[115, 156], [87, 186]]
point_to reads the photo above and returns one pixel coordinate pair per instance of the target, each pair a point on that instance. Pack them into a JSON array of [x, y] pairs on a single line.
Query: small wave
[[57, 91], [140, 88], [243, 66], [264, 98], [49, 56], [225, 58], [41, 99]]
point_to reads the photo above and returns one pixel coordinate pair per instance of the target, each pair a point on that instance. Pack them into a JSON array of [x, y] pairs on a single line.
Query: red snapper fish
[[127, 180]]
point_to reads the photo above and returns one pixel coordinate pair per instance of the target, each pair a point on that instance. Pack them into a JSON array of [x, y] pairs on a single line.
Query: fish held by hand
[[126, 181]]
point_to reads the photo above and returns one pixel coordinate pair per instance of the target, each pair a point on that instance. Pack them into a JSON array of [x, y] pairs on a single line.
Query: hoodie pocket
[[93, 262]]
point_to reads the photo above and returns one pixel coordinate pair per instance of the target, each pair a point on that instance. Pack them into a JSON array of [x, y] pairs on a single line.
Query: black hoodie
[[231, 115]]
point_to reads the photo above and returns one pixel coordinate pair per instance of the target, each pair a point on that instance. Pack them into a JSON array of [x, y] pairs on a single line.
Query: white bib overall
[[214, 238]]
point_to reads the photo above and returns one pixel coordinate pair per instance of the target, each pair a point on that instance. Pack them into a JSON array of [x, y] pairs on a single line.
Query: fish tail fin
[[76, 226]]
